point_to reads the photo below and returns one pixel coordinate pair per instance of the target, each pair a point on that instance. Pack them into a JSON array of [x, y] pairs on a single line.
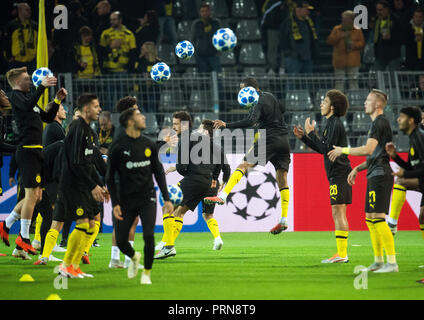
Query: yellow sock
[[74, 243], [234, 179], [341, 240], [177, 228], [398, 199], [93, 237], [377, 245], [168, 228], [85, 241], [422, 229], [213, 227], [38, 222], [285, 197], [386, 238], [49, 242]]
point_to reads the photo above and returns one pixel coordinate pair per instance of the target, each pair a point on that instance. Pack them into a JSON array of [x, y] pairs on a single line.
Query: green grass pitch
[[255, 266]]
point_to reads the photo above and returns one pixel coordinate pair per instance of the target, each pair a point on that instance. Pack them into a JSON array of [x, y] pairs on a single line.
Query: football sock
[[25, 224], [50, 242], [422, 229], [377, 245], [85, 239], [93, 236], [341, 240], [213, 227], [132, 245], [177, 228], [234, 179], [115, 253], [11, 219], [168, 227], [76, 238], [386, 238], [38, 222], [285, 197], [398, 199]]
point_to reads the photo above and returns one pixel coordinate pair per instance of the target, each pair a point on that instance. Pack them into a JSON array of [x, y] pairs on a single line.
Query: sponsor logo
[[133, 165], [88, 152]]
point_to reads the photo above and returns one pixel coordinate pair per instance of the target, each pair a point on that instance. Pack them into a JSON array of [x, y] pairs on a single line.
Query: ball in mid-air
[[184, 50], [248, 97], [39, 74], [160, 72], [175, 195], [224, 39]]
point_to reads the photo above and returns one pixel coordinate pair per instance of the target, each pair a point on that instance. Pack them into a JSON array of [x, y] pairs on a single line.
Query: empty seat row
[[220, 9]]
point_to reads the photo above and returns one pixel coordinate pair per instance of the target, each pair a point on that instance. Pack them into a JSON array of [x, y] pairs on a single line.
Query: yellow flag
[[42, 50]]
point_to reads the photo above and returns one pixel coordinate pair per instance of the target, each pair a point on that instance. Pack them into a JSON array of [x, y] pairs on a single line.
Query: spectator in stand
[[417, 92], [84, 57], [413, 39], [402, 11], [106, 131], [166, 21], [274, 10], [347, 42], [387, 39], [101, 19], [299, 39], [150, 90], [148, 29], [118, 46], [21, 34], [203, 29]]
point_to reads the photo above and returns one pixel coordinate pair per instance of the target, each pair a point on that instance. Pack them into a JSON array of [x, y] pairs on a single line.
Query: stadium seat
[[401, 142], [244, 9], [184, 30], [299, 118], [254, 71], [252, 54], [357, 98], [360, 122], [299, 100], [200, 100], [167, 121], [152, 127], [171, 100], [227, 58], [219, 8], [248, 30], [167, 54]]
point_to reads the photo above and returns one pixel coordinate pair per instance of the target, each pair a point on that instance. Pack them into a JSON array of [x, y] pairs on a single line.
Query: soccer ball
[[39, 74], [248, 97], [160, 72], [224, 39], [175, 195], [184, 50]]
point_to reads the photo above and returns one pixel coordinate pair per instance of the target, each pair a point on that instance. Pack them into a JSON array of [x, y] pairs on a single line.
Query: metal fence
[[213, 96]]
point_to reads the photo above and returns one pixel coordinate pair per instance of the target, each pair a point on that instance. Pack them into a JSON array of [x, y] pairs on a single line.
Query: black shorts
[[209, 208], [52, 190], [30, 165], [379, 191], [59, 213], [340, 191], [194, 189], [277, 151], [78, 204], [44, 207]]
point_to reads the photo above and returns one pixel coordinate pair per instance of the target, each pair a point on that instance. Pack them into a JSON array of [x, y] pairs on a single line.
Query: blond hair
[[13, 74], [380, 95]]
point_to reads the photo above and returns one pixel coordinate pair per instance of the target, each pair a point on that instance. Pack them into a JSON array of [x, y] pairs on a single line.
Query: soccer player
[[206, 128], [78, 185], [134, 159], [411, 173], [29, 120], [333, 107], [267, 114], [197, 179], [379, 181]]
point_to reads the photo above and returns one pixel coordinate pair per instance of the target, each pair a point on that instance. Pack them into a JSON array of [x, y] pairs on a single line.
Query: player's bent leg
[[341, 233], [131, 238], [95, 227], [115, 260], [282, 225]]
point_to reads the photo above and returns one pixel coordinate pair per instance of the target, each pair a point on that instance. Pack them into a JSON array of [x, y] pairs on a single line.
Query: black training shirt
[[414, 168]]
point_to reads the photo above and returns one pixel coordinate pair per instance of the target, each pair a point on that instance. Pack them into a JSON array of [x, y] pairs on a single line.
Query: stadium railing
[[214, 96]]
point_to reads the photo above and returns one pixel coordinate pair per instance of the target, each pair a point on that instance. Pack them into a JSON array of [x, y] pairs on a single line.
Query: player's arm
[[159, 173], [365, 150], [352, 175], [250, 121], [112, 170], [99, 162], [49, 115], [181, 168], [391, 151]]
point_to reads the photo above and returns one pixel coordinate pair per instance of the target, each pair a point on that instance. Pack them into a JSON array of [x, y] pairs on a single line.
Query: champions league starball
[[39, 75], [184, 50], [175, 195], [160, 72], [224, 39], [248, 97]]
